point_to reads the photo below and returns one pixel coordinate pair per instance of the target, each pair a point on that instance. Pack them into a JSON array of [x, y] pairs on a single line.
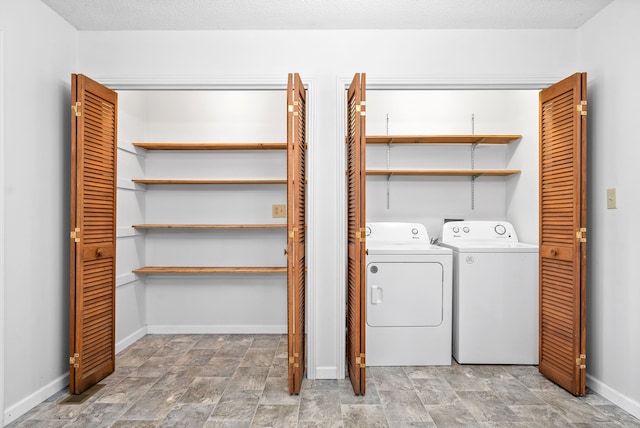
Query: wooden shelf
[[190, 181], [445, 172], [195, 269], [210, 146], [442, 139], [209, 226]]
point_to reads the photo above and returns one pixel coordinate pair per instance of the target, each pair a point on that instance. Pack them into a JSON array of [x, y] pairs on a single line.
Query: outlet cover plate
[[278, 211]]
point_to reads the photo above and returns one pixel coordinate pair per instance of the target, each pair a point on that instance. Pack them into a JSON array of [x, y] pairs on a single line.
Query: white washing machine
[[408, 309], [495, 293]]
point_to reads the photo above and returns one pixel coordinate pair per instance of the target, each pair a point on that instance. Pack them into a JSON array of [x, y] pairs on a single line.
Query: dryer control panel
[[478, 231], [397, 233]]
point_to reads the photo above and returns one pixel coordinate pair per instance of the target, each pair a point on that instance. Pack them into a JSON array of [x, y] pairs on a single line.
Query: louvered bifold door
[[356, 222], [93, 233], [296, 227], [563, 231]]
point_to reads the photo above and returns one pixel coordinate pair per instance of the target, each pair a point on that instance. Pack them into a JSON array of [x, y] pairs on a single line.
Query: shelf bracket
[[473, 177], [389, 167]]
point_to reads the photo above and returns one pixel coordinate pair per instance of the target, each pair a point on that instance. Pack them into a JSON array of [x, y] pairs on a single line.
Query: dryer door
[[404, 294]]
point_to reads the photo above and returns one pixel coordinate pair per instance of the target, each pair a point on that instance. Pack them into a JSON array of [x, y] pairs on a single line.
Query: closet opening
[[428, 156], [210, 223]]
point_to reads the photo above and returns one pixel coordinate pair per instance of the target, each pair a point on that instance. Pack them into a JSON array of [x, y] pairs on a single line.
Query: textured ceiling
[[323, 14]]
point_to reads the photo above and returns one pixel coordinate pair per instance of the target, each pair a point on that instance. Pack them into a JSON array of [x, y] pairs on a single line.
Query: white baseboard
[[614, 396], [23, 406], [131, 339], [330, 372], [216, 329]]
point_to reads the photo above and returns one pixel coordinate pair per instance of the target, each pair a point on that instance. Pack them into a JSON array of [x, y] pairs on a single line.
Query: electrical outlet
[[612, 202], [278, 211]]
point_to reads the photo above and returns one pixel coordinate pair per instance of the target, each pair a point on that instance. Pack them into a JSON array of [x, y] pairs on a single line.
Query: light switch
[[612, 203]]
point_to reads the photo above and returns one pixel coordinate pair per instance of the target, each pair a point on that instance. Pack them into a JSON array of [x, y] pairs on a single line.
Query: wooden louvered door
[[563, 189], [93, 233], [296, 227], [356, 223]]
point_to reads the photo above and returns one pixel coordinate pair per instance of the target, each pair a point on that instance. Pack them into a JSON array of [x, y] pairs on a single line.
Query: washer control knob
[[456, 229], [465, 229], [414, 231], [500, 229]]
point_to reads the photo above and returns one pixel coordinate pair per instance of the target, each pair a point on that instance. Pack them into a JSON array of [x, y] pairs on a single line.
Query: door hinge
[[292, 233], [75, 234], [581, 362], [75, 360], [76, 108], [361, 108], [290, 108], [360, 234], [581, 235], [293, 360], [582, 108], [360, 361]]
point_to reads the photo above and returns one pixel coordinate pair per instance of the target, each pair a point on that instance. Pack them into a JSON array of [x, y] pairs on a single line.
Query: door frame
[[396, 83], [2, 228], [314, 211]]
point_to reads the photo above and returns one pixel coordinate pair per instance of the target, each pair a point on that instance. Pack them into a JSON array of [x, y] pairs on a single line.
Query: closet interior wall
[[431, 199], [201, 303]]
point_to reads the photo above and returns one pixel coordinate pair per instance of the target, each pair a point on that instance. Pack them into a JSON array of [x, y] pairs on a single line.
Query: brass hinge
[[75, 360], [360, 234], [292, 359], [290, 108], [582, 108], [292, 233], [581, 234], [76, 108], [75, 234], [581, 362], [361, 108], [360, 361]]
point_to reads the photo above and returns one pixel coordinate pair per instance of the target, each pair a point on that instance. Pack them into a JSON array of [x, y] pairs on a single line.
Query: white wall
[[605, 52], [328, 57], [131, 301], [40, 53], [237, 303], [2, 228], [429, 200]]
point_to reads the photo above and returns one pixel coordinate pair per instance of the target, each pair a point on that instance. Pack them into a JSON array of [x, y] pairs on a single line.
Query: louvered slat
[[296, 224], [562, 209], [94, 213], [355, 165]]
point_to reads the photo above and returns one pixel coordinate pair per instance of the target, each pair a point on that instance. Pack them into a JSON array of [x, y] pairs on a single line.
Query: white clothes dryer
[[495, 293], [408, 292]]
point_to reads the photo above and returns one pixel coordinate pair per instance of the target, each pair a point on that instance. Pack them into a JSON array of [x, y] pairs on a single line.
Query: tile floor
[[241, 381]]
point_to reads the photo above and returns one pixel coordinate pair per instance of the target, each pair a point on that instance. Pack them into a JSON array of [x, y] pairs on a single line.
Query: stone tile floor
[[241, 381]]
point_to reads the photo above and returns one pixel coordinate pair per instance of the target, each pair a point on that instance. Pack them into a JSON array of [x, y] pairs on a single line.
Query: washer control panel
[[478, 231]]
